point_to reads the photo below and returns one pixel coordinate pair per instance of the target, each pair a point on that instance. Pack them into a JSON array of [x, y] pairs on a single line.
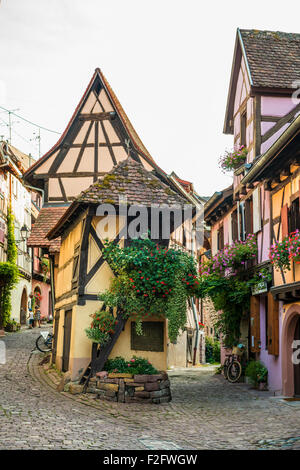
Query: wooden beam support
[[97, 116]]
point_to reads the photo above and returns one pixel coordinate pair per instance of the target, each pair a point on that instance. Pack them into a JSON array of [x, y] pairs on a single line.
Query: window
[[75, 270], [221, 238], [243, 129], [294, 216], [152, 338], [234, 226]]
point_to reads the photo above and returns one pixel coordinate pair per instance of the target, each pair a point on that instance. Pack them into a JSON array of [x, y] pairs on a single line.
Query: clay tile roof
[[273, 57], [129, 178], [47, 219]]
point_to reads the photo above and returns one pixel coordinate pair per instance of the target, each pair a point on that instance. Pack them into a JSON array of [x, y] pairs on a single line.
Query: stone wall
[[127, 388]]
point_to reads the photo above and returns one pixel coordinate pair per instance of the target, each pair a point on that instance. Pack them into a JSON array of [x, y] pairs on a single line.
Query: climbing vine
[[223, 280], [151, 280], [9, 273]]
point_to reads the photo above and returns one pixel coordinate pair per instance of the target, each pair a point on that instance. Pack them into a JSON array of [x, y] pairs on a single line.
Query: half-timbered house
[[278, 168], [260, 107], [83, 272], [97, 139]]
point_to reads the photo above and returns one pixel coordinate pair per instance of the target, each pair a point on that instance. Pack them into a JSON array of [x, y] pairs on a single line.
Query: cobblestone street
[[206, 412]]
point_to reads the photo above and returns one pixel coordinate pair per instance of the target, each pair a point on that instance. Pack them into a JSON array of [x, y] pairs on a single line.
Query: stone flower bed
[[127, 388]]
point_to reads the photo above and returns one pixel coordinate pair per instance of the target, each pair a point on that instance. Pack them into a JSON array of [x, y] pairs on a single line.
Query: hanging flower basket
[[233, 160]]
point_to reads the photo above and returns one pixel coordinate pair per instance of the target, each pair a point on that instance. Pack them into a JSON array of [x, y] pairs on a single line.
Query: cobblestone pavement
[[206, 412]]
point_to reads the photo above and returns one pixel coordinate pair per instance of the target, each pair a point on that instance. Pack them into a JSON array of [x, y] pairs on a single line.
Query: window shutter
[[214, 242], [256, 210], [284, 221], [248, 216], [273, 325], [234, 226], [255, 324], [229, 228]]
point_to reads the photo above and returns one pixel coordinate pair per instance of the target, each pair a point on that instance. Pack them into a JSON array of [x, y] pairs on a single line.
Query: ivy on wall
[[9, 273]]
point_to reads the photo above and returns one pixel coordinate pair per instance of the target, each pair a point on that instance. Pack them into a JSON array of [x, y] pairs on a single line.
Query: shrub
[[212, 350], [136, 365], [12, 325], [257, 372]]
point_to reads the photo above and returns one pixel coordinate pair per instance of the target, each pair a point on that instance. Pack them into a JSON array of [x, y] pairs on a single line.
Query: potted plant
[[257, 373]]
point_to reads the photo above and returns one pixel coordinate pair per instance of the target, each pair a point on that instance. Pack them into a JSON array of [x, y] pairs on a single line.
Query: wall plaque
[[152, 338]]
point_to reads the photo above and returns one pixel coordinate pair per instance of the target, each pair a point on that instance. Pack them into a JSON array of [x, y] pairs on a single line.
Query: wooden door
[[297, 366], [67, 340], [23, 310]]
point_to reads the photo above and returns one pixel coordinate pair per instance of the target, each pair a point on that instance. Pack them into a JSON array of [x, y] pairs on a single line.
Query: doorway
[[297, 366], [67, 340], [23, 308]]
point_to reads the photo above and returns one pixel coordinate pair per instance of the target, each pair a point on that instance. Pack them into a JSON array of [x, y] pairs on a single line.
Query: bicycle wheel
[[43, 344], [234, 371], [225, 368]]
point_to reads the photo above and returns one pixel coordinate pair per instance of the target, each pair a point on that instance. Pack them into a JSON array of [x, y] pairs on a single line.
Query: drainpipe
[[36, 189], [52, 263]]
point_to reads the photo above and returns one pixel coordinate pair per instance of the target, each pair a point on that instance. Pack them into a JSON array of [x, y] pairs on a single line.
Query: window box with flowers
[[233, 160], [283, 253]]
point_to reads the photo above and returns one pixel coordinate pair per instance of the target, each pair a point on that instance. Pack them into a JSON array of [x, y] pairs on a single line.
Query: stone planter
[[127, 388]]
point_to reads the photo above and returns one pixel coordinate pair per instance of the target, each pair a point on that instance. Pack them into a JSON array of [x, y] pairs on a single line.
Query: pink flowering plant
[[282, 253], [223, 280], [231, 259], [233, 160]]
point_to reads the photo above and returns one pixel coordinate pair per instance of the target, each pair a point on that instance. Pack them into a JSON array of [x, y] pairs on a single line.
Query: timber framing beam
[[97, 116]]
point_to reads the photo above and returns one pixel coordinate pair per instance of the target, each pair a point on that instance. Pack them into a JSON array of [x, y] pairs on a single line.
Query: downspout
[[36, 189], [52, 263]]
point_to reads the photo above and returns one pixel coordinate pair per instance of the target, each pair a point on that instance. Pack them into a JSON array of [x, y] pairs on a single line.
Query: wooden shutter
[[255, 324], [229, 228], [248, 216], [234, 226], [221, 238], [273, 325], [284, 221]]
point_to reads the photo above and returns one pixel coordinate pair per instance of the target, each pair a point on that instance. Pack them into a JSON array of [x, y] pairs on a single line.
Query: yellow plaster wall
[[122, 347], [64, 272]]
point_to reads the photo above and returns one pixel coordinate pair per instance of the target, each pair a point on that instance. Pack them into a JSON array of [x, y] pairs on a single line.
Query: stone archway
[[290, 322], [23, 307]]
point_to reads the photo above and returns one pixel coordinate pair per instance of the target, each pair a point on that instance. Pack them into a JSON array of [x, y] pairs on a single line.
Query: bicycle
[[232, 368], [44, 341]]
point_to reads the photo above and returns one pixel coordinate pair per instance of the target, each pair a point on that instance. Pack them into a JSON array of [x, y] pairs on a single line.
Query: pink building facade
[[260, 108]]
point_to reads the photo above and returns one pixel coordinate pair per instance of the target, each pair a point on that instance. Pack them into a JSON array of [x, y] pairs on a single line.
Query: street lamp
[[24, 234]]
